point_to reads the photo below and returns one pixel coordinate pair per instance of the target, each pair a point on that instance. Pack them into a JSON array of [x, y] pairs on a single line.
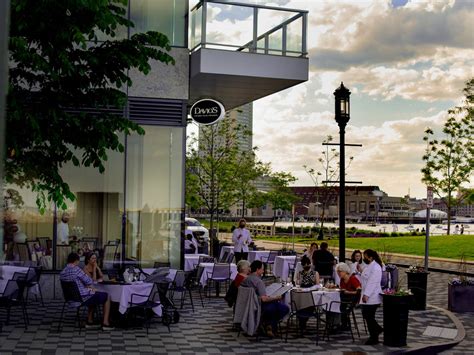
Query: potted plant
[[396, 305], [461, 291], [417, 280]]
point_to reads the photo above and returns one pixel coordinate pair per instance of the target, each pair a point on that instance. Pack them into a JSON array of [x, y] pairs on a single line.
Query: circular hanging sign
[[207, 111]]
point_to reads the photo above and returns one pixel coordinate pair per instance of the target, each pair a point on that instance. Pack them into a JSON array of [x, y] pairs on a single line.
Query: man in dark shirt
[[324, 261], [272, 310]]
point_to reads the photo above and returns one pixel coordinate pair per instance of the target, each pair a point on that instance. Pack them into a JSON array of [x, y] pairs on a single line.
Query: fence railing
[[248, 28], [261, 229]]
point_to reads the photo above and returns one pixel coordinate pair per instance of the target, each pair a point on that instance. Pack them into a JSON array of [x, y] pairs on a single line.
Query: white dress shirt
[[370, 279], [63, 233], [241, 239]]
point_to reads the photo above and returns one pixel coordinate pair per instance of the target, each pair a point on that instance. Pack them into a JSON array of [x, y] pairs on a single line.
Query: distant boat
[[410, 227]]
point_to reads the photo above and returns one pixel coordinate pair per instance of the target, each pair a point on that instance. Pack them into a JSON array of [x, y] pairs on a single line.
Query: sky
[[405, 62]]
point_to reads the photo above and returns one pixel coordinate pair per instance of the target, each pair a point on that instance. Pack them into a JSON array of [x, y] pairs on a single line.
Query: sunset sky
[[405, 63]]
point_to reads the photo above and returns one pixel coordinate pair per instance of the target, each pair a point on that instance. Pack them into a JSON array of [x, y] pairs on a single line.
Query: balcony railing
[[248, 28]]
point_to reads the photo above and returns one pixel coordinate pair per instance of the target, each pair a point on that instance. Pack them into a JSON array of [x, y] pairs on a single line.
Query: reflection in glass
[[154, 195], [165, 16]]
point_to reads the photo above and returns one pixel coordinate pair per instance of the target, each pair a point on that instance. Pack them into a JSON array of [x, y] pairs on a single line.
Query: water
[[435, 229]]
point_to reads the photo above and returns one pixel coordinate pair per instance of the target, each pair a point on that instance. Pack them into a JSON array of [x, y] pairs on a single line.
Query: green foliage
[[449, 162], [57, 66], [281, 196]]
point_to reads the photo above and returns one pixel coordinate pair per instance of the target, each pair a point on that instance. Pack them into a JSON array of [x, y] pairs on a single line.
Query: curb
[[436, 348]]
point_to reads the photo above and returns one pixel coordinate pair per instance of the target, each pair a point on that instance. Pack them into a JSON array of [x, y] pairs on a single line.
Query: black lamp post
[[342, 117]]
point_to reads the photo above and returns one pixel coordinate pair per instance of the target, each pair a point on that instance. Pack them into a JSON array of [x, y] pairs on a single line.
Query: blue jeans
[[273, 312]]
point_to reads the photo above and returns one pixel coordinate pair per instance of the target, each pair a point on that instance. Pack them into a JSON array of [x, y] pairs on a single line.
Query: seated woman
[[349, 284], [307, 277], [243, 269], [92, 269]]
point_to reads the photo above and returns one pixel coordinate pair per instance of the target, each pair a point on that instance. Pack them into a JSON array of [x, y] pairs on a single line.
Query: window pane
[[154, 195], [165, 16], [96, 215]]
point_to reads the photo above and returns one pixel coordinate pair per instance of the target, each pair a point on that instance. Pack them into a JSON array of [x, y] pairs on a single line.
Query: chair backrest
[[384, 280], [71, 291], [221, 270], [43, 242], [110, 253], [22, 250], [206, 259], [301, 299], [12, 290], [223, 259], [246, 296], [159, 264], [33, 274], [230, 258], [272, 256], [179, 279]]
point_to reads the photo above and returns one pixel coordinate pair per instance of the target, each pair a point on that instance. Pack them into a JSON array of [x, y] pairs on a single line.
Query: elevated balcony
[[243, 52]]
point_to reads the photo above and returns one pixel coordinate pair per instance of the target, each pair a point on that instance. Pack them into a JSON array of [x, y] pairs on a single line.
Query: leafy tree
[[449, 161], [281, 196], [328, 171], [246, 170], [210, 165], [66, 94]]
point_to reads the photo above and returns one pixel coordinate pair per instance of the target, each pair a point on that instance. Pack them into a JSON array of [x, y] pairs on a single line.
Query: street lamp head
[[342, 102]]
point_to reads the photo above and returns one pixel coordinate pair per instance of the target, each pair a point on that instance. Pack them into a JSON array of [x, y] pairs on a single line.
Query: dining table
[[261, 255], [281, 267], [121, 293], [320, 295], [191, 261]]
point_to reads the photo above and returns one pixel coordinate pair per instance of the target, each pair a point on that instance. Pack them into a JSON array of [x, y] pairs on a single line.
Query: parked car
[[200, 232]]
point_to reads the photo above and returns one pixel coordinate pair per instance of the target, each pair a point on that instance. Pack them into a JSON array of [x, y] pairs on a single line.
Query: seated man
[[91, 298], [272, 310]]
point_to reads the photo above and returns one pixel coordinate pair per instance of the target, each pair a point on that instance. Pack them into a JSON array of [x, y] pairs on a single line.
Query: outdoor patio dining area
[[206, 329]]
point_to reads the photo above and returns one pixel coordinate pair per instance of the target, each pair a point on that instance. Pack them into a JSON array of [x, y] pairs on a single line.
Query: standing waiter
[[241, 239]]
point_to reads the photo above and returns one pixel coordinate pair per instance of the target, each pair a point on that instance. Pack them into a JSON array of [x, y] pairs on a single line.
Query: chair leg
[[25, 316], [200, 296], [191, 299], [61, 317], [7, 322], [78, 320], [355, 323], [41, 294], [287, 328]]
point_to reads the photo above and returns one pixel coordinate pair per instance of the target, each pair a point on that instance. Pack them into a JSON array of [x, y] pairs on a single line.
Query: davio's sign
[[207, 111]]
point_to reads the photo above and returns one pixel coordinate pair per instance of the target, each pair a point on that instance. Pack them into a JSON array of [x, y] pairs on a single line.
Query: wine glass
[[321, 282]]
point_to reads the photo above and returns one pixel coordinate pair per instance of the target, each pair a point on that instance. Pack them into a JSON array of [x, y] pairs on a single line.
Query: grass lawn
[[442, 246]]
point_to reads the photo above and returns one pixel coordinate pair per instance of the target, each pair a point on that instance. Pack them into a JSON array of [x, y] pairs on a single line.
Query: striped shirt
[[74, 273]]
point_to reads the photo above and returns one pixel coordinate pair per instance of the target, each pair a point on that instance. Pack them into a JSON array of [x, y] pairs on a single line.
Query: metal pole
[[427, 238], [293, 229], [342, 193], [4, 18]]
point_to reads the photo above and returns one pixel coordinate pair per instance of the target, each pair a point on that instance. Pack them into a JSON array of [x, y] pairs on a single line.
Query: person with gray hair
[[349, 282], [243, 269]]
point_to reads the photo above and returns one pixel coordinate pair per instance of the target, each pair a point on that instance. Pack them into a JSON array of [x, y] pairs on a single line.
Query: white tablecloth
[[122, 294], [191, 261], [319, 297], [229, 248], [7, 272], [208, 268], [258, 255], [281, 266]]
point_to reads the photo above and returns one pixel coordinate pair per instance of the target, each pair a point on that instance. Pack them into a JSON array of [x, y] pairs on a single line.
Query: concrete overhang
[[236, 78]]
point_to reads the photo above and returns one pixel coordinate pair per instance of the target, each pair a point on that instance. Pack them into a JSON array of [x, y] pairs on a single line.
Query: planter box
[[418, 283], [460, 298], [395, 319]]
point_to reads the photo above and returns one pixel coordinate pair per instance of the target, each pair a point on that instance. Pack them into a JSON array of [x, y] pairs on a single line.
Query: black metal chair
[[180, 285], [346, 307], [224, 257], [292, 268], [303, 307], [146, 303], [33, 281], [230, 258], [220, 274], [22, 251], [73, 299], [12, 297], [269, 260]]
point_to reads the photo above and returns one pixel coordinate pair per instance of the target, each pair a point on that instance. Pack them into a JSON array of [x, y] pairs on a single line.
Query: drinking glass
[[321, 282]]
